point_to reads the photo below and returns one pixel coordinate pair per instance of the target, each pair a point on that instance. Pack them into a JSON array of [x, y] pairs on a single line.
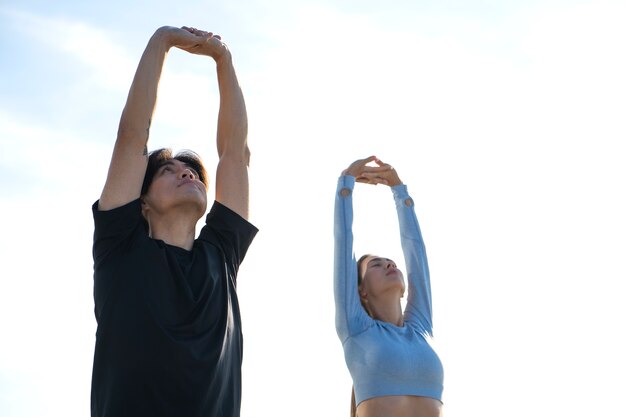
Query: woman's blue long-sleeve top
[[385, 359]]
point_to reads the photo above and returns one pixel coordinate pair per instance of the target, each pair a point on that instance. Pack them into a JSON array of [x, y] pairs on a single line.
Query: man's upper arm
[[231, 182], [126, 173]]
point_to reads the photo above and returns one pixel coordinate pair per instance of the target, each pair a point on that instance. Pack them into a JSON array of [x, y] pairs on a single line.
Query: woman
[[395, 371]]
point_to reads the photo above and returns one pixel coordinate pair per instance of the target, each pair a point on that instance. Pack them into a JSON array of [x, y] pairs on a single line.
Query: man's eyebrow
[[168, 162]]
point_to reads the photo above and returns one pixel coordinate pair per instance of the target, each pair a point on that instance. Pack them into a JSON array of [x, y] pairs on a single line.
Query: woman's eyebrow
[[374, 260], [379, 259]]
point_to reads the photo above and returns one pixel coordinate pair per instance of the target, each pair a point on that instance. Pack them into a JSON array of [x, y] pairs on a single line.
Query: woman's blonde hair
[[359, 281], [353, 405]]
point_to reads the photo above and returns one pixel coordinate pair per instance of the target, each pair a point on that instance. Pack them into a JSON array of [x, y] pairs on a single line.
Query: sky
[[504, 118]]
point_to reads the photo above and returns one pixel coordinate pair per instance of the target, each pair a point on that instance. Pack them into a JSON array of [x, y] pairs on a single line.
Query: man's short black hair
[[158, 157]]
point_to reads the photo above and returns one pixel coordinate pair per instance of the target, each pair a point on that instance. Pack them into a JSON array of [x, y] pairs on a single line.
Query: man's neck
[[176, 229]]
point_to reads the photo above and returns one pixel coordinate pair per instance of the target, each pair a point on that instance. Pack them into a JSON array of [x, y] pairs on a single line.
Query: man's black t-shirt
[[169, 339]]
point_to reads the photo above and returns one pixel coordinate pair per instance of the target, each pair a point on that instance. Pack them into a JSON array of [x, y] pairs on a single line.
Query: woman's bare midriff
[[400, 406]]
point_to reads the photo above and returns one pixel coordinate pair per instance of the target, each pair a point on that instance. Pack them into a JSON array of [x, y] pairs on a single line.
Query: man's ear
[[144, 206]]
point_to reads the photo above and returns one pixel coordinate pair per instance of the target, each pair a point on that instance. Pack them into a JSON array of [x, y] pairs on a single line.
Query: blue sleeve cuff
[[400, 192], [346, 181]]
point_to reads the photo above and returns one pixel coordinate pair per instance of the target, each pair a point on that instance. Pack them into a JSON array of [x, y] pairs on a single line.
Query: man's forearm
[[232, 122], [141, 102]]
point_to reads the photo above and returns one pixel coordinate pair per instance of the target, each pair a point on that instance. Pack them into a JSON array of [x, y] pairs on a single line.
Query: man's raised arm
[[231, 178], [130, 154]]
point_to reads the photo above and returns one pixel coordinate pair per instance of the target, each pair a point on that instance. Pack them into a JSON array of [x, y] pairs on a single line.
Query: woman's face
[[380, 275]]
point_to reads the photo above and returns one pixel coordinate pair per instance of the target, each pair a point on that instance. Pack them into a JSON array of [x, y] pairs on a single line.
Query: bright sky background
[[505, 119]]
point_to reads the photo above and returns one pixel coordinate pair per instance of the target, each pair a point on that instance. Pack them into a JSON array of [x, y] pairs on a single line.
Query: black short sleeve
[[230, 232], [113, 228]]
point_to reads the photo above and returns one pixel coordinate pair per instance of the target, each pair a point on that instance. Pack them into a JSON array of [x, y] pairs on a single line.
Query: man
[[169, 339]]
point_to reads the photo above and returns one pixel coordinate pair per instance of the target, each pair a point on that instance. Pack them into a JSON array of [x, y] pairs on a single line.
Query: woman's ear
[[363, 294]]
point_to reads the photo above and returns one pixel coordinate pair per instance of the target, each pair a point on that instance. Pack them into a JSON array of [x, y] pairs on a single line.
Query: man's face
[[175, 185]]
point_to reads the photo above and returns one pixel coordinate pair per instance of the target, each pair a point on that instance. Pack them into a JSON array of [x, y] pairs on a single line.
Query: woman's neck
[[387, 309]]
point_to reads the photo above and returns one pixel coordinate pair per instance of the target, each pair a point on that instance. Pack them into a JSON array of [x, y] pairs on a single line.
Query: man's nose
[[187, 173]]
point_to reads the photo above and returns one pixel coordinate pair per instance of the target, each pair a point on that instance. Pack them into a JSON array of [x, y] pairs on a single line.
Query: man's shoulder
[[221, 218]]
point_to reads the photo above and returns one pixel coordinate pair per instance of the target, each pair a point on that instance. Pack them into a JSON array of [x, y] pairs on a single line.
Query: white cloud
[[102, 52], [48, 158]]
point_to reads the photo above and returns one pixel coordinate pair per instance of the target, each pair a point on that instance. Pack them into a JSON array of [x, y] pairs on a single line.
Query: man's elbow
[[238, 156], [246, 155]]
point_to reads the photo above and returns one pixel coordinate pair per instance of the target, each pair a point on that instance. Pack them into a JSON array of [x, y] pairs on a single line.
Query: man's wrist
[[225, 59], [163, 38]]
